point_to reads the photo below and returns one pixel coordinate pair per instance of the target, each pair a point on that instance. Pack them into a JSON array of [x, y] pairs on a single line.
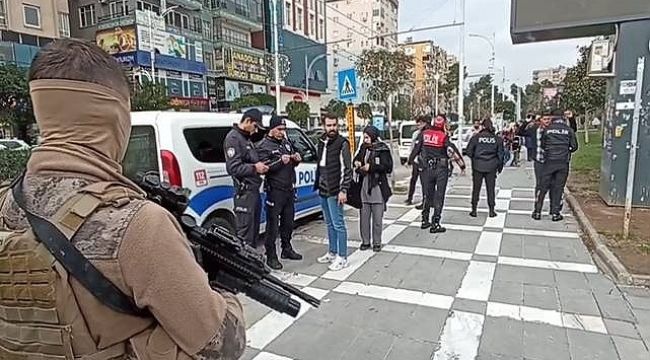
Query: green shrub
[[12, 163]]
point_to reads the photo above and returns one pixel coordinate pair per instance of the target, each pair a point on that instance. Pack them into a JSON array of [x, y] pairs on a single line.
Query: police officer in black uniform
[[243, 164], [279, 185], [432, 146], [558, 143], [486, 151]]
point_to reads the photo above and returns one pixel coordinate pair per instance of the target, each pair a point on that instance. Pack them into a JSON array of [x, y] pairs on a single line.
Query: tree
[[15, 102], [388, 71], [402, 109], [337, 108], [364, 111], [150, 96], [583, 93], [298, 112], [258, 99]]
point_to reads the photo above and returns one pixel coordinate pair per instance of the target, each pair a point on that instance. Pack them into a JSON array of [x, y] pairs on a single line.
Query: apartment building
[[554, 75], [302, 36], [356, 25], [27, 25]]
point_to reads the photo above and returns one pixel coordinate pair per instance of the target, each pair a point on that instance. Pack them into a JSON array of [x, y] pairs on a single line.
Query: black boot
[[289, 253], [364, 247], [419, 207], [376, 248], [473, 212], [408, 202], [437, 228], [492, 213], [537, 216], [557, 217], [273, 263]]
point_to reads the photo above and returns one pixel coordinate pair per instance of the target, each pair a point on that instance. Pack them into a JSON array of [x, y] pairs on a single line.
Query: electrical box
[[633, 42]]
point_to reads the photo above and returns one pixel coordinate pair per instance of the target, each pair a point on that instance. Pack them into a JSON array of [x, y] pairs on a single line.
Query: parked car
[[14, 144]]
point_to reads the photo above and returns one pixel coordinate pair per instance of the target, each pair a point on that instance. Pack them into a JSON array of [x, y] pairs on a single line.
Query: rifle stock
[[231, 264]]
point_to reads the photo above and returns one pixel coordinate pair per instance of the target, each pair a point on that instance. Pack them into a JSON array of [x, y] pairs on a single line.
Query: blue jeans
[[337, 233]]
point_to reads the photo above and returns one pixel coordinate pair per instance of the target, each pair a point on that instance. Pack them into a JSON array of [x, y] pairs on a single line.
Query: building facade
[[554, 75], [354, 26], [431, 62], [27, 25], [303, 54], [154, 39]]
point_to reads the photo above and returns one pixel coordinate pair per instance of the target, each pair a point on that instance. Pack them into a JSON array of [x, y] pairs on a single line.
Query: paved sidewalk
[[489, 288]]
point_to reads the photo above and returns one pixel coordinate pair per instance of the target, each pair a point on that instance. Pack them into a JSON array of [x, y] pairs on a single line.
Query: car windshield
[[408, 130]]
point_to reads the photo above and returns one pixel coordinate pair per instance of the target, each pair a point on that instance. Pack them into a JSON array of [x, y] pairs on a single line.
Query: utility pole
[[276, 55], [461, 76]]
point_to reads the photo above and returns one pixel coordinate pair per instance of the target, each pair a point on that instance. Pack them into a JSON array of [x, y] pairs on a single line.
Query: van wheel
[[220, 221]]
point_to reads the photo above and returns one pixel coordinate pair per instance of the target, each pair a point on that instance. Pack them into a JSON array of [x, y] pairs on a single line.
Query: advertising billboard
[[117, 40], [537, 20]]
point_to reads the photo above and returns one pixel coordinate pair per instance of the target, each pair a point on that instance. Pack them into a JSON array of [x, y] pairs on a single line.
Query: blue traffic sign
[[347, 84]]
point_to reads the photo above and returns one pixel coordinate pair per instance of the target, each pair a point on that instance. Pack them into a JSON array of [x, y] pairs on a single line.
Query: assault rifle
[[231, 264]]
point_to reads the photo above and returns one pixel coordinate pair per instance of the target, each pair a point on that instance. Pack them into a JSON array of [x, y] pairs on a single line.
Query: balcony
[[119, 19], [3, 20], [248, 16], [194, 5]]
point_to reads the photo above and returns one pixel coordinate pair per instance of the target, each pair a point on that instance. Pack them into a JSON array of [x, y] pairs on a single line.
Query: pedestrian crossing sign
[[347, 84]]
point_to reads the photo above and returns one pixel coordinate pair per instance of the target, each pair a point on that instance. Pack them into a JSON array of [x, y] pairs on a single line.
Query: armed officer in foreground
[[280, 182], [243, 164], [558, 142], [432, 147], [148, 297]]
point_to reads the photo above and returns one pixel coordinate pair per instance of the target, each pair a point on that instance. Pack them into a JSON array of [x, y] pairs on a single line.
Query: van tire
[[220, 221]]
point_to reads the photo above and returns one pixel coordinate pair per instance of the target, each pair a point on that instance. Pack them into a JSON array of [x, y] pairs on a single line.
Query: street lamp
[[491, 71], [436, 77], [308, 71], [276, 54], [151, 30]]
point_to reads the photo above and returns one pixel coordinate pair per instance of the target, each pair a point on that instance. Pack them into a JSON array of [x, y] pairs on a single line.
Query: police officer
[[486, 151], [420, 123], [558, 143], [243, 164], [432, 146], [74, 181], [280, 180]]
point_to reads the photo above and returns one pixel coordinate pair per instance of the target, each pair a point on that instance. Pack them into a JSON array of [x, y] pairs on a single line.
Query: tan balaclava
[[85, 129]]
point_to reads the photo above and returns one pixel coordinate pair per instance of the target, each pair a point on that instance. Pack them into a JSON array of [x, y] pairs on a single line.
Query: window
[[177, 20], [312, 25], [321, 29], [118, 8], [32, 16], [64, 25], [299, 19], [303, 146], [207, 30], [3, 13], [375, 12], [321, 7], [288, 13], [206, 144], [87, 16], [198, 24], [146, 6], [312, 5], [141, 154]]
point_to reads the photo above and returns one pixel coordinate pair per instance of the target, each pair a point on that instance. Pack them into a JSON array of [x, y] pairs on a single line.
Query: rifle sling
[[74, 261]]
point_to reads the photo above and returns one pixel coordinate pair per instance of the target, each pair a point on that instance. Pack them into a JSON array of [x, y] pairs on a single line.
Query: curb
[[605, 258]]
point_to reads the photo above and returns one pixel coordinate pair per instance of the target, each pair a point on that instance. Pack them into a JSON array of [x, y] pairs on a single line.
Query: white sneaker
[[327, 258], [339, 264]]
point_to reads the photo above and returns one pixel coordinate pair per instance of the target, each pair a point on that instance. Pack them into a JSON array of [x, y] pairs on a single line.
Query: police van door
[[307, 199]]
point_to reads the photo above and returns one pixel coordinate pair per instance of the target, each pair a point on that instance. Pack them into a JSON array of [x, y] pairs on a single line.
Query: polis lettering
[[486, 140], [558, 131]]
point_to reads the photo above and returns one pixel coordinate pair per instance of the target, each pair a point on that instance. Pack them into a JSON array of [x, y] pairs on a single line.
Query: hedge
[[12, 163]]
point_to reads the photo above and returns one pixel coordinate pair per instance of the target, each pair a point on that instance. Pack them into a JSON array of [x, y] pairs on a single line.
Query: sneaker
[[419, 207], [327, 258], [364, 247], [339, 264], [274, 264], [537, 216], [473, 213], [557, 217], [376, 248]]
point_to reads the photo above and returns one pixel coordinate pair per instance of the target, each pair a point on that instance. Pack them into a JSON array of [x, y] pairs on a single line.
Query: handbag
[[354, 193]]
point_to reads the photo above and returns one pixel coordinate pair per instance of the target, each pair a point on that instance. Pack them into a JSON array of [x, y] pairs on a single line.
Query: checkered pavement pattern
[[502, 288]]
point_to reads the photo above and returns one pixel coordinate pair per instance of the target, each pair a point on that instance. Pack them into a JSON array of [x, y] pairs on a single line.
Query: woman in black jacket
[[373, 162]]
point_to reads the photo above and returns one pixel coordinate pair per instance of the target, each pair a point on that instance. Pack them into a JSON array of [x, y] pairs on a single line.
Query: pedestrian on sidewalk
[[558, 142], [333, 178], [534, 131], [486, 151], [280, 187], [416, 168], [373, 163], [432, 145]]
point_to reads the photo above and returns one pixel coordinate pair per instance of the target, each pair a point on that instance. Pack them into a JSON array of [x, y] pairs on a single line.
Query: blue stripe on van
[[199, 203]]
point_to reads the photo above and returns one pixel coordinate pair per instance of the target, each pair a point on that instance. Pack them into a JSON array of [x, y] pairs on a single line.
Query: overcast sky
[[485, 17]]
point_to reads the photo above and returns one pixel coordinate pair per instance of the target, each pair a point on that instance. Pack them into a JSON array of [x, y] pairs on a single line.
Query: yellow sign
[[117, 40], [349, 116]]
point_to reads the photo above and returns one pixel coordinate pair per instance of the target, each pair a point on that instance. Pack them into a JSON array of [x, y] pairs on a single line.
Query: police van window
[[302, 145], [206, 144], [141, 154]]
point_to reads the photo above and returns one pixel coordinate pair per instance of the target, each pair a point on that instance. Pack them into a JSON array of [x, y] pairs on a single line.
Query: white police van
[[186, 149]]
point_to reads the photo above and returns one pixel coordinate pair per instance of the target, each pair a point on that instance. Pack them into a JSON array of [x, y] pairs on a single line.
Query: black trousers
[[279, 216], [539, 169], [552, 179], [248, 209], [490, 183], [415, 173], [435, 176]]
